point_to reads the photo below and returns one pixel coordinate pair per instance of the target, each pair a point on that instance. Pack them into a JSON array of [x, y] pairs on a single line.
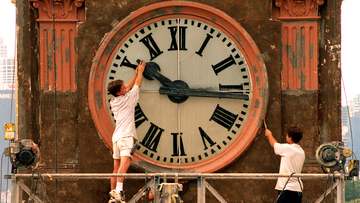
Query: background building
[[7, 73], [3, 48], [7, 68], [7, 111], [350, 125]]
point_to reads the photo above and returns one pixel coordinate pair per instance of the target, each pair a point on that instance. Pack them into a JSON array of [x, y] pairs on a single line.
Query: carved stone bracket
[[63, 9], [298, 9]]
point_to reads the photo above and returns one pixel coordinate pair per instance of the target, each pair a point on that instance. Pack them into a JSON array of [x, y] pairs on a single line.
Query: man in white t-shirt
[[123, 106], [292, 160]]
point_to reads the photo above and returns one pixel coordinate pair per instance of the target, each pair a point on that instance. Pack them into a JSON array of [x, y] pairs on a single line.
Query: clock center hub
[[179, 99]]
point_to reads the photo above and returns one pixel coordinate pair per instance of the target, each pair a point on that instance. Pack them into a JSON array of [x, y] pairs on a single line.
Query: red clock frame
[[158, 11]]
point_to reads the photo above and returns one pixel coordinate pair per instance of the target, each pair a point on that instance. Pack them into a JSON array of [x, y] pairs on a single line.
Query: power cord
[[327, 180], [302, 189], [32, 194], [287, 183], [284, 186]]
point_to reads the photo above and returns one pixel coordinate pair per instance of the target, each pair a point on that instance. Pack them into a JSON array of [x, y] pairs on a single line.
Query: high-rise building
[[7, 73], [7, 107], [345, 125], [3, 48], [7, 68], [350, 117], [357, 105]]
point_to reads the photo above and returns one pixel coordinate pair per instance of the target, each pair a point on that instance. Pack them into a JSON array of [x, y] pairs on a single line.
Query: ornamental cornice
[[63, 9], [298, 9]]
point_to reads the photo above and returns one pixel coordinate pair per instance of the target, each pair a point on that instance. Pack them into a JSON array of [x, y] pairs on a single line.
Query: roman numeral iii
[[223, 117], [152, 137]]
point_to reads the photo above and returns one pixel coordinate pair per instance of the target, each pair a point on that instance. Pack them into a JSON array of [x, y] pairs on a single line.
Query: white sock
[[119, 186]]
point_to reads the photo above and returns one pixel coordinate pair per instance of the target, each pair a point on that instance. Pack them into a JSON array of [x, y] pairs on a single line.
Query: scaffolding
[[168, 192]]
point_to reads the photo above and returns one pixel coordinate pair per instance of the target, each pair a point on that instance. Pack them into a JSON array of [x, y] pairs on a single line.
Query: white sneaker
[[112, 200], [118, 196]]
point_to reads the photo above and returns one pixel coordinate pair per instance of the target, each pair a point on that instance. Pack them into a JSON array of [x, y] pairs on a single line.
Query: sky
[[350, 67], [8, 25]]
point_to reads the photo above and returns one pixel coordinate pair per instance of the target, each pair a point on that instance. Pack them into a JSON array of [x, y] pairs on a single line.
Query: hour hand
[[176, 92], [151, 72]]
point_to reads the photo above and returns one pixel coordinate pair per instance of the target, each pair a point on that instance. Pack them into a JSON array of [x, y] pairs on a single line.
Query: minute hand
[[202, 93]]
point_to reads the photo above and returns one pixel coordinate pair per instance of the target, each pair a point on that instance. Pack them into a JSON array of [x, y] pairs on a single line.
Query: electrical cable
[[7, 180], [11, 108], [335, 64], [284, 187], [350, 129], [32, 194], [43, 186], [331, 192], [348, 114], [55, 103], [302, 192], [327, 179], [1, 173]]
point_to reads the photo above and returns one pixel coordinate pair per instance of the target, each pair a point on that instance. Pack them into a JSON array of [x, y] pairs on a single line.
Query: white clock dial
[[205, 58]]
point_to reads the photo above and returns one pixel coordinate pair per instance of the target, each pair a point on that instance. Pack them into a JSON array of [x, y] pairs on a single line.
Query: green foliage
[[352, 191], [352, 201]]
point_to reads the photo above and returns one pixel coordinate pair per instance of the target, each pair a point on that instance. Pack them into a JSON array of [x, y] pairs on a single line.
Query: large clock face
[[204, 92]]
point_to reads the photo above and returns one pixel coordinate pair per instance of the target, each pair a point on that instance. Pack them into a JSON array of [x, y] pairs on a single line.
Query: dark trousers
[[288, 196]]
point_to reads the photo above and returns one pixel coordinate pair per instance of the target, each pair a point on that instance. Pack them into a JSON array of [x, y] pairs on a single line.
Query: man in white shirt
[[292, 160], [123, 106]]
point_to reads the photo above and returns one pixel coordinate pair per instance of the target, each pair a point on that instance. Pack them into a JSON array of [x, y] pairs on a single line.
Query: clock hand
[[151, 72], [201, 93], [178, 91]]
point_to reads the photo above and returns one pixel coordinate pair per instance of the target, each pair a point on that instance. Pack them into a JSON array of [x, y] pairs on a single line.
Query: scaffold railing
[[157, 181]]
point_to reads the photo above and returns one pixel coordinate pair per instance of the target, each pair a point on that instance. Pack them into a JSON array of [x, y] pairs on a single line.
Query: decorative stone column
[[299, 73], [63, 20], [300, 43], [58, 107]]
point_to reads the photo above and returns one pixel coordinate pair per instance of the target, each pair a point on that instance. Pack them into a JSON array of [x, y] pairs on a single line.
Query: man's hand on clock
[[140, 68], [151, 72], [178, 91]]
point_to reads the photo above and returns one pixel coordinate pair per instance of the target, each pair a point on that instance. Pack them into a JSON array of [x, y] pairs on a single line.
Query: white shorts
[[123, 147]]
